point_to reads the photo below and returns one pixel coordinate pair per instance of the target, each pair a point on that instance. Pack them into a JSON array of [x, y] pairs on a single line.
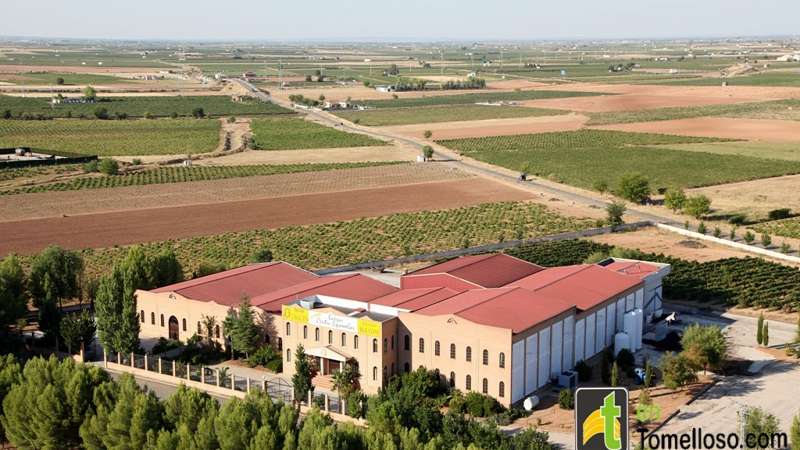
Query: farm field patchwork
[[404, 116], [156, 106], [724, 127], [70, 79], [364, 239], [586, 158], [770, 78], [776, 109], [179, 174], [758, 149], [282, 133], [113, 137], [492, 127], [466, 99]]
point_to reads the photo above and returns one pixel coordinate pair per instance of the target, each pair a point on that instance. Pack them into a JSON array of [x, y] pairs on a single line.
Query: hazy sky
[[403, 19]]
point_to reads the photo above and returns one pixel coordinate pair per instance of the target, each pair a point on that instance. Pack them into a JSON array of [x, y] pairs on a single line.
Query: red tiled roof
[[633, 268], [228, 287], [586, 285], [352, 286], [414, 299], [490, 270]]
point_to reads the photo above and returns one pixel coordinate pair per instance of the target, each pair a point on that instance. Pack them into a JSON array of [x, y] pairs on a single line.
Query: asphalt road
[[162, 390]]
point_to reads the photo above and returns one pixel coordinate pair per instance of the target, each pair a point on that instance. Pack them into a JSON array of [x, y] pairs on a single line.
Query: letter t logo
[[610, 412]]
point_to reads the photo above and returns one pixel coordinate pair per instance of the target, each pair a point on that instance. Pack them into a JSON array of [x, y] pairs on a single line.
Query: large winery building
[[488, 323]]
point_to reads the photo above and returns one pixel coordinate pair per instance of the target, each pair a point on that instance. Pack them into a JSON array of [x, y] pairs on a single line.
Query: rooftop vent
[[309, 302]]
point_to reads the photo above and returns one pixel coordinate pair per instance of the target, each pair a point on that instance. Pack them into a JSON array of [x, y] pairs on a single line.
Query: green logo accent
[[610, 413]]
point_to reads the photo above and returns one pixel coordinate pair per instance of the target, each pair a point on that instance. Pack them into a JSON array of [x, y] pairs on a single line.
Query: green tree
[[10, 374], [704, 346], [13, 297], [241, 328], [303, 373], [766, 334], [676, 371], [165, 269], [77, 330], [55, 277], [614, 213], [427, 152], [101, 113], [345, 381], [428, 134], [49, 404], [760, 329], [757, 422], [198, 113], [89, 93], [263, 255], [749, 237], [108, 166], [192, 413], [674, 199], [648, 374], [634, 188], [766, 240], [697, 206]]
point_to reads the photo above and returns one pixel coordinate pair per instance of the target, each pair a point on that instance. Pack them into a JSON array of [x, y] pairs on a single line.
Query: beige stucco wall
[[450, 329], [154, 305]]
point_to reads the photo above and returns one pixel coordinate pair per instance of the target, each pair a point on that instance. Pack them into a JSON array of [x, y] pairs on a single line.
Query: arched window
[[374, 346], [162, 320], [421, 345], [468, 383], [152, 318], [452, 379], [406, 343], [330, 337], [406, 369], [183, 324], [485, 386], [385, 373], [436, 348], [280, 344], [288, 329], [452, 351], [288, 355], [502, 360], [305, 331], [316, 334], [501, 389], [385, 344], [141, 316], [216, 331], [469, 354], [374, 373], [394, 338], [355, 342], [486, 357], [344, 339]]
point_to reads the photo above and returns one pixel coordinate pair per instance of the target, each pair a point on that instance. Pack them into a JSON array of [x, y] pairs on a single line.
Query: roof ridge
[[224, 274], [583, 267], [479, 257], [500, 294]]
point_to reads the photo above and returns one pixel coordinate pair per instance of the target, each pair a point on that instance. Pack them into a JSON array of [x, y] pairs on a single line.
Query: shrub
[[737, 219], [136, 161], [479, 405], [749, 237], [626, 361], [262, 256], [697, 206], [732, 234], [428, 134], [198, 113], [717, 232], [584, 371], [262, 356], [676, 371], [600, 186], [108, 166], [165, 345], [231, 119], [634, 188], [101, 113], [174, 115], [766, 240], [427, 152], [614, 212], [778, 214], [566, 399], [90, 167], [147, 115], [702, 228], [785, 248], [674, 199], [356, 404]]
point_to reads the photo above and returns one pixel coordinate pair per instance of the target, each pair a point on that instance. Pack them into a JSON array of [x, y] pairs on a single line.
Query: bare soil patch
[[18, 68], [493, 127], [326, 155], [144, 225], [756, 197], [652, 240], [750, 129], [629, 102]]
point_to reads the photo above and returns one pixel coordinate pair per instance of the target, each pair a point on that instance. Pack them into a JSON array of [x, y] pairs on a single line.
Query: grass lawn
[[586, 157], [433, 114], [466, 99], [113, 137], [776, 109], [213, 105], [756, 149], [282, 133]]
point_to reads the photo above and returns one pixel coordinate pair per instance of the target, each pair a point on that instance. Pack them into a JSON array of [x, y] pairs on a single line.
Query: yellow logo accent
[[369, 328], [295, 314]]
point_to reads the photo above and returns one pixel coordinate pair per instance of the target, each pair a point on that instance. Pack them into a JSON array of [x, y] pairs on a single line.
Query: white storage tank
[[621, 342], [629, 328], [530, 403], [639, 328]]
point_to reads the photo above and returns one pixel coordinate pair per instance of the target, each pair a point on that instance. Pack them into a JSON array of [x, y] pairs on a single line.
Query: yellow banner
[[295, 314], [369, 328]]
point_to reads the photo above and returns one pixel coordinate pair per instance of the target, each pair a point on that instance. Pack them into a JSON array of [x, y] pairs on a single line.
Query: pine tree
[[54, 277], [303, 373], [13, 300], [78, 330], [766, 334], [760, 329], [244, 332], [10, 374]]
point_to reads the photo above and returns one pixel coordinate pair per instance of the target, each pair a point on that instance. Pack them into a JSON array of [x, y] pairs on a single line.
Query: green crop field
[[758, 149], [70, 79], [156, 106], [586, 157], [466, 99], [776, 109], [113, 137], [786, 227], [770, 78], [327, 245], [294, 134], [173, 174], [433, 114]]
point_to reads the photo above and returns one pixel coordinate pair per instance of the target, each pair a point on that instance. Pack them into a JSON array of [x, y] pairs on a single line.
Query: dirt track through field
[[145, 225], [751, 129]]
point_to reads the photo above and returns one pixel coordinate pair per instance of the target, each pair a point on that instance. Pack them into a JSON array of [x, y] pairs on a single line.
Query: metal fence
[[277, 388]]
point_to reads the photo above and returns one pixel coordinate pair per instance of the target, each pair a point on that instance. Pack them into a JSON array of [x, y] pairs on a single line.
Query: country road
[[465, 164]]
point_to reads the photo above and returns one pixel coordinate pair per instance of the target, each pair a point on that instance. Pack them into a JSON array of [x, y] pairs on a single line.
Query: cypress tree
[[303, 373], [760, 329], [766, 334]]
